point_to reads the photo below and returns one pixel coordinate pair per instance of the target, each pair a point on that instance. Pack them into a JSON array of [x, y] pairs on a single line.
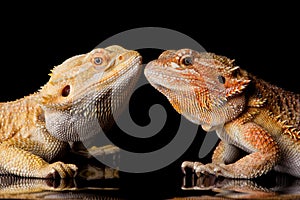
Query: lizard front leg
[[20, 157], [224, 153], [264, 154]]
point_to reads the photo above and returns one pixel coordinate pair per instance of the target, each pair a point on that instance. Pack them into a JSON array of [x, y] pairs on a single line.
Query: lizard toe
[[191, 165], [61, 170], [208, 169], [71, 169], [186, 164]]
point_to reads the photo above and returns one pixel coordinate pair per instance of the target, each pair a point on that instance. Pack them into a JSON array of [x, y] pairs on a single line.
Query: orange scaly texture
[[248, 114], [79, 100]]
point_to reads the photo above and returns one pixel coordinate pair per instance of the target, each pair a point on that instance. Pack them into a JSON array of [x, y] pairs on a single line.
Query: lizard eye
[[98, 60], [221, 79], [188, 60], [66, 91]]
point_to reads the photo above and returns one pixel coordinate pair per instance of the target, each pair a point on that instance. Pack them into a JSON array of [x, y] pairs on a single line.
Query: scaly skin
[[247, 113], [81, 97]]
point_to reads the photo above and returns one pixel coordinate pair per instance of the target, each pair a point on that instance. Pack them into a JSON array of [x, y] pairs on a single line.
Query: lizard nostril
[[120, 58]]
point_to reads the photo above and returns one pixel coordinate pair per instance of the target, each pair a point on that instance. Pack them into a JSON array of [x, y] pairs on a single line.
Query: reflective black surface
[[261, 38], [163, 184]]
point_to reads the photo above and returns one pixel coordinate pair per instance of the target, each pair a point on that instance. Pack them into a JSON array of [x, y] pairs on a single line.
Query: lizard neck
[[213, 116], [277, 101], [18, 117]]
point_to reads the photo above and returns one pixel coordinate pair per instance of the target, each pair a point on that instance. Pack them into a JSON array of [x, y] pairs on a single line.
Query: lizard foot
[[189, 164], [209, 168], [200, 168], [59, 170]]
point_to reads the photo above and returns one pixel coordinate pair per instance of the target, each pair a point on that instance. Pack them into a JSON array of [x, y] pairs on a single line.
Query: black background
[[263, 39]]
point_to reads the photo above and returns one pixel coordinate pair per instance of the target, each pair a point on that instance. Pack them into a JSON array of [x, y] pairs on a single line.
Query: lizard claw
[[191, 165], [186, 164], [208, 169], [59, 170], [199, 168]]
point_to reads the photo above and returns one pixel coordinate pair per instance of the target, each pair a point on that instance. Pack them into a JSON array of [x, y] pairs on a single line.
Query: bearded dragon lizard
[[81, 97], [246, 112]]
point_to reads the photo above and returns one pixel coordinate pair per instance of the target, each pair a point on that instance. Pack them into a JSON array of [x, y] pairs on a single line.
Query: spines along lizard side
[[248, 113], [83, 95]]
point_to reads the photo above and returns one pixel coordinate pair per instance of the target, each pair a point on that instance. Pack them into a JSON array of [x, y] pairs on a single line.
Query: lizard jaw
[[95, 100]]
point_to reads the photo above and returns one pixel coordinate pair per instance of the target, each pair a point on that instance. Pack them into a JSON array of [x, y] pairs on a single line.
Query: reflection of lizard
[[82, 94], [259, 118]]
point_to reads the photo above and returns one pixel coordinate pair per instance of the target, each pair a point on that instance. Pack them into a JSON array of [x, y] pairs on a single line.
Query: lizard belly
[[289, 148], [290, 157]]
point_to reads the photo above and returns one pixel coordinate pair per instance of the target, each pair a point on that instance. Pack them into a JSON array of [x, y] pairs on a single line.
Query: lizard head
[[86, 90], [206, 88]]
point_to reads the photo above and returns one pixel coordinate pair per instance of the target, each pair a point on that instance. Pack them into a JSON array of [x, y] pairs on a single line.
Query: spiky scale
[[36, 129], [258, 117]]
